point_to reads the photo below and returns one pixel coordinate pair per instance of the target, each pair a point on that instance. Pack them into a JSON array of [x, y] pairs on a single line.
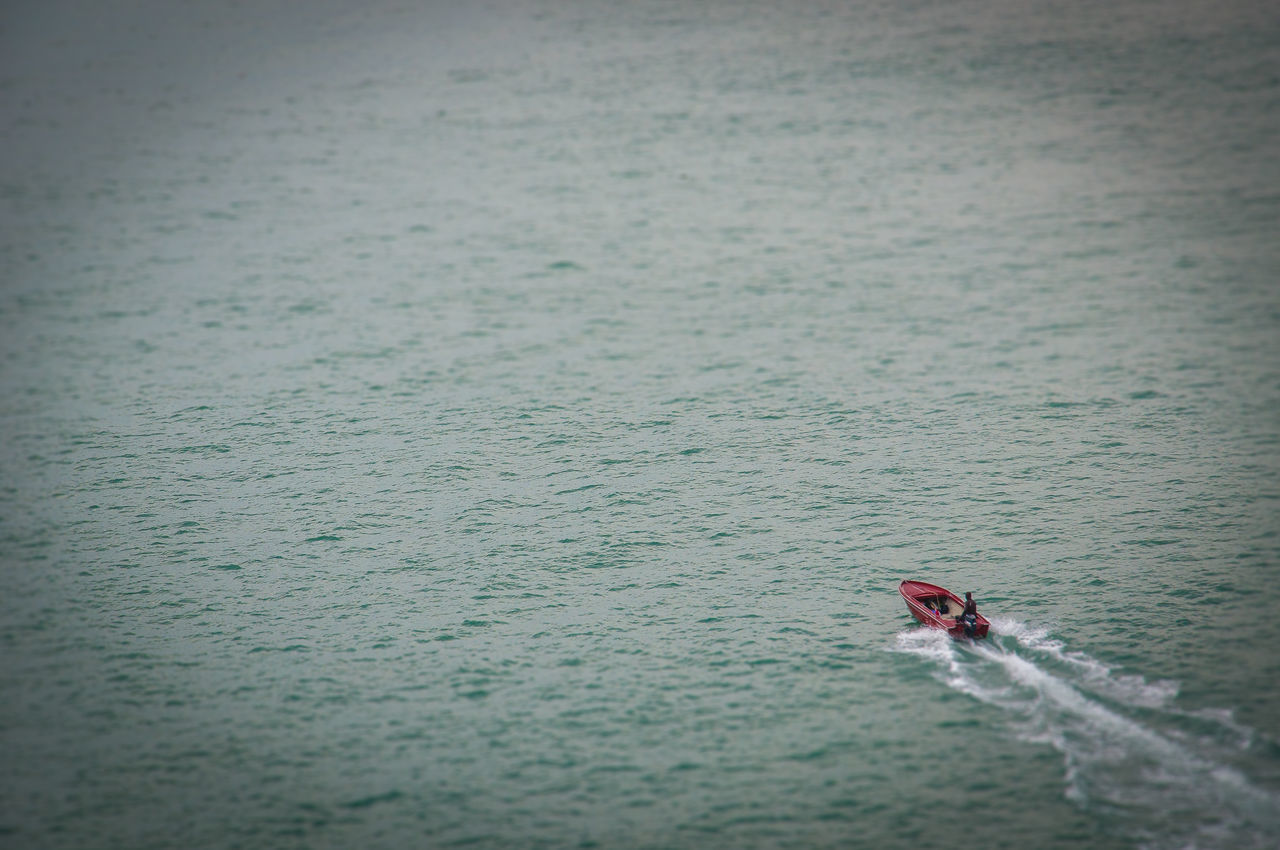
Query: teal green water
[[508, 426]]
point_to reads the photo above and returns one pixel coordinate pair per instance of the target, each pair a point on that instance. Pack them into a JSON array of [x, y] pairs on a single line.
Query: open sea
[[506, 424]]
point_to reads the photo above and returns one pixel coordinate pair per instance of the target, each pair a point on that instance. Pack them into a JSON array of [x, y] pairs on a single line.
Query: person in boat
[[970, 616]]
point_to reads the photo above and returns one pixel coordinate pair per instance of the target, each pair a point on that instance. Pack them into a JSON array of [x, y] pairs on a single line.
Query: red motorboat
[[938, 607]]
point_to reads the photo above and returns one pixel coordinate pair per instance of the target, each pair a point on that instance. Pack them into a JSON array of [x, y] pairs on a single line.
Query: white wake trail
[[1124, 754]]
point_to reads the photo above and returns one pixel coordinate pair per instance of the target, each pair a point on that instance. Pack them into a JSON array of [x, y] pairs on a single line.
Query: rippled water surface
[[507, 425]]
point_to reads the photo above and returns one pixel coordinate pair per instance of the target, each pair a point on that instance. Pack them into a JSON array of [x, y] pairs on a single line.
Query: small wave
[[1130, 754]]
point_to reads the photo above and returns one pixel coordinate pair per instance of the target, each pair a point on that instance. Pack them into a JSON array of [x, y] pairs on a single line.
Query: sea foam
[[1127, 752]]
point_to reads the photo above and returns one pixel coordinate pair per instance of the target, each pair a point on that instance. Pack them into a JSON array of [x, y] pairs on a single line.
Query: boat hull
[[939, 608]]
